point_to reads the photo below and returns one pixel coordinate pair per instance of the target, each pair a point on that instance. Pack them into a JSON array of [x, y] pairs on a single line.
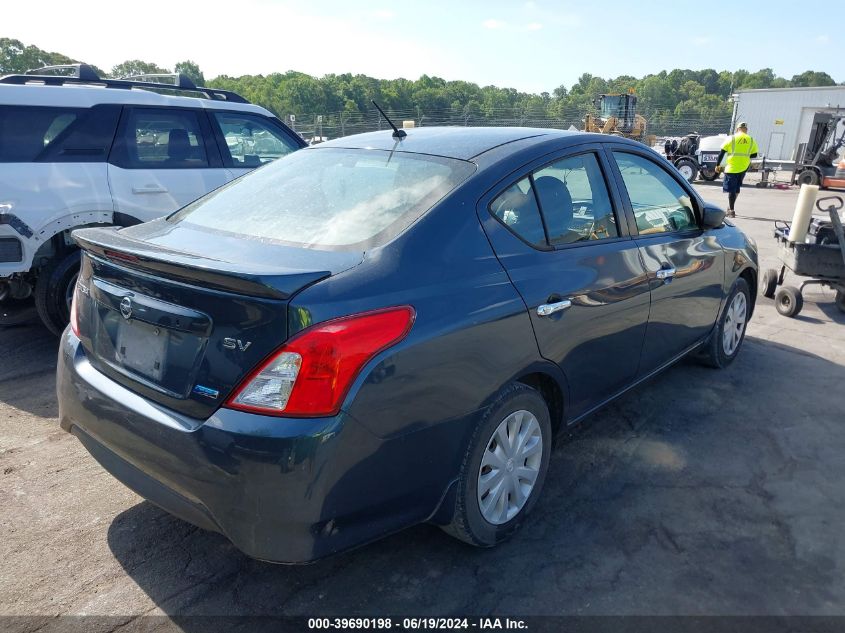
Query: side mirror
[[712, 216]]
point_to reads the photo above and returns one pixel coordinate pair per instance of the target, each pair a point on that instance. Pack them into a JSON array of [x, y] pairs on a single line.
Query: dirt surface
[[701, 492]]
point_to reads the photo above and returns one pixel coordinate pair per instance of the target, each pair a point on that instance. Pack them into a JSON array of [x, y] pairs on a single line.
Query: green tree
[[136, 67], [191, 70], [16, 57], [811, 78]]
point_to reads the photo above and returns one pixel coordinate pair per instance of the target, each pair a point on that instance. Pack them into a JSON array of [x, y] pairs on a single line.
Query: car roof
[[464, 143], [85, 96]]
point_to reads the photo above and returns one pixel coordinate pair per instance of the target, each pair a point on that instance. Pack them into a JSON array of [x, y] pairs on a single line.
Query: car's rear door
[[555, 226], [162, 159], [685, 264]]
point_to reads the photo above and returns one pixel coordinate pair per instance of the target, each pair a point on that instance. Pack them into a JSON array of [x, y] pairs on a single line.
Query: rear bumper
[[282, 490]]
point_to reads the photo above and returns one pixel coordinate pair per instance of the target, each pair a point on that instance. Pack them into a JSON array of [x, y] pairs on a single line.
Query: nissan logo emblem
[[126, 307]]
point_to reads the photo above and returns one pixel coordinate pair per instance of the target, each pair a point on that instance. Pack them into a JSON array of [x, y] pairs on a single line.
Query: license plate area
[[162, 358], [142, 349]]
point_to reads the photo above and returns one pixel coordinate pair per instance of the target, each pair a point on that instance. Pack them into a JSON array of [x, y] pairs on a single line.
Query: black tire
[[808, 177], [468, 524], [53, 289], [709, 174], [770, 283], [688, 168], [840, 300], [788, 301], [713, 352]]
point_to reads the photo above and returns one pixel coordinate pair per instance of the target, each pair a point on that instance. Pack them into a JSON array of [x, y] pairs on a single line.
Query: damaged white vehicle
[[77, 150]]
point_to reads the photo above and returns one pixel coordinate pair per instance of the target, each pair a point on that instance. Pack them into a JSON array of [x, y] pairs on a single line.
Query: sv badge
[[236, 343]]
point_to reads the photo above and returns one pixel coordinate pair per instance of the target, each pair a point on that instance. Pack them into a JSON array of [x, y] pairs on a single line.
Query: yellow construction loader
[[618, 116]]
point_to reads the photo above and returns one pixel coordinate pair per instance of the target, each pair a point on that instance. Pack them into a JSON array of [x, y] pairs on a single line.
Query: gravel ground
[[701, 492]]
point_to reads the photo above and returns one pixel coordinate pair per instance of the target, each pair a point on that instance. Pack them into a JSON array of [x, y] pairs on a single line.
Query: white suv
[[81, 151]]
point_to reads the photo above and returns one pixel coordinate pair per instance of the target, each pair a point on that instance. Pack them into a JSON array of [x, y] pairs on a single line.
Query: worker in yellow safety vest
[[739, 149]]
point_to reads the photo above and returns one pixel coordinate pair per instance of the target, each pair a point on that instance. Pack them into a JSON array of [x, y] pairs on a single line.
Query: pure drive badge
[[208, 392]]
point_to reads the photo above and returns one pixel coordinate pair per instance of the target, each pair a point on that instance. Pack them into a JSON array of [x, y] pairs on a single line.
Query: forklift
[[817, 161]]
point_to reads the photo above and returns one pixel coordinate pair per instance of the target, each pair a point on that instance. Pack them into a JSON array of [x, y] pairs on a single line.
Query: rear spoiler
[[108, 244]]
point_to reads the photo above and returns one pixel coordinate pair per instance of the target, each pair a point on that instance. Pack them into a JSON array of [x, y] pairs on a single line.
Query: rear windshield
[[329, 197]]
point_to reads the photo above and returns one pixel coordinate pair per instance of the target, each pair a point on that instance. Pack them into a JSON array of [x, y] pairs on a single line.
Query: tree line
[[700, 97]]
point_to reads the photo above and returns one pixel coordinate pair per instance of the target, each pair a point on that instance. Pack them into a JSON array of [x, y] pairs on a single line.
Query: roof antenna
[[397, 133]]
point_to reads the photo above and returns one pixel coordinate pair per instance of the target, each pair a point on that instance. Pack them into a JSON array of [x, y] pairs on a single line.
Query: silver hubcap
[[686, 171], [510, 467], [71, 287], [734, 323]]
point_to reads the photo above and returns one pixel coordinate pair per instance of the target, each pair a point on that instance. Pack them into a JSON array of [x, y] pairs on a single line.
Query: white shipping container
[[780, 118]]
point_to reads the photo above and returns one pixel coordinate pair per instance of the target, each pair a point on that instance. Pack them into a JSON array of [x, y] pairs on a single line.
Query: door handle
[[149, 189], [550, 308], [666, 274]]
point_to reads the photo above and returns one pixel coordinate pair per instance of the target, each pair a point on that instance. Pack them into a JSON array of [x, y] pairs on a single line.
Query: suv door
[[248, 141], [162, 159], [685, 264], [556, 230]]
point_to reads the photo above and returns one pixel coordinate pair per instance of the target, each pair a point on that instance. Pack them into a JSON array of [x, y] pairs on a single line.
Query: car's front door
[[556, 229], [162, 159], [685, 264]]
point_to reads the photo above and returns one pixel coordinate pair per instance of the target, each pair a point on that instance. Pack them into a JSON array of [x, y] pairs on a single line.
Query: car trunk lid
[[160, 315]]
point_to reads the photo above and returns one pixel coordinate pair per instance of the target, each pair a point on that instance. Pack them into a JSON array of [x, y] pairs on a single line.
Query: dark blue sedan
[[377, 332]]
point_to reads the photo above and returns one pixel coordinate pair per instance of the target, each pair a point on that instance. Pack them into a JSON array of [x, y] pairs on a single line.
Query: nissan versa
[[381, 331]]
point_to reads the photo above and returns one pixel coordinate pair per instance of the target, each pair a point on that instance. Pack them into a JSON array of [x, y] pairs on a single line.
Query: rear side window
[[251, 141], [517, 209], [329, 197], [574, 201], [25, 132], [163, 139]]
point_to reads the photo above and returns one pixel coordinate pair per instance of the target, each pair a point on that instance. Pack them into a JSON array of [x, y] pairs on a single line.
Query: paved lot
[[702, 492]]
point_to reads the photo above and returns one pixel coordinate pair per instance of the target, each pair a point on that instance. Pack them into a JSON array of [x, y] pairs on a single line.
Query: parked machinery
[[617, 116], [817, 161], [694, 155]]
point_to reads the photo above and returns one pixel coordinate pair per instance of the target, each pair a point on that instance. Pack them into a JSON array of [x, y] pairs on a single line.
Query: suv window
[[574, 201], [251, 141], [517, 209], [660, 204], [26, 131], [164, 139]]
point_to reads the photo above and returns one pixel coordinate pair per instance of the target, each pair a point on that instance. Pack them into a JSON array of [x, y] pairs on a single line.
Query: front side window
[[517, 209], [574, 201], [329, 197], [251, 141], [26, 131], [660, 204], [164, 139]]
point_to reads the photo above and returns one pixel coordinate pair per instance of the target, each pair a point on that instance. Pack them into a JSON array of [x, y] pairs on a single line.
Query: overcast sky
[[533, 46]]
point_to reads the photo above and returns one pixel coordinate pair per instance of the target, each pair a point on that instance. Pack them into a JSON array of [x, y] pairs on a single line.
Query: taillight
[[310, 375], [74, 311]]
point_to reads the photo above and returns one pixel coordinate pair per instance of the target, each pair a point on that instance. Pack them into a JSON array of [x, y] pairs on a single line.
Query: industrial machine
[[617, 116], [817, 161], [694, 156]]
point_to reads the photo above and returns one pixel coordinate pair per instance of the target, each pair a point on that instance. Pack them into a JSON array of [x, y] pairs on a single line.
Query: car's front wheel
[[726, 340], [504, 468]]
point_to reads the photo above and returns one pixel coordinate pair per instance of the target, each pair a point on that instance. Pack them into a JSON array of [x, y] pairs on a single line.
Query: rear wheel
[[770, 283], [54, 291], [504, 468], [788, 301], [688, 168], [808, 177], [709, 174], [729, 333]]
